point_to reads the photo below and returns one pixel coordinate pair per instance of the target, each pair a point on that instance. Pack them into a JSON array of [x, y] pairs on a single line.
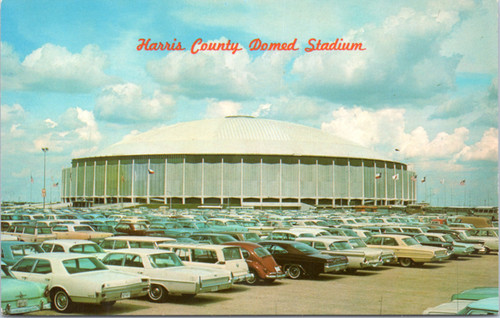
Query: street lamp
[[44, 192]]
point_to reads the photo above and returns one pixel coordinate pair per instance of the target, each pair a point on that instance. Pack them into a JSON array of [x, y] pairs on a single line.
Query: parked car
[[78, 232], [135, 229], [73, 246], [20, 297], [487, 306], [461, 300], [31, 233], [459, 249], [76, 278], [211, 255], [358, 243], [119, 242], [488, 235], [245, 236], [168, 275], [358, 259], [13, 251], [212, 238], [461, 238], [408, 250], [298, 259], [260, 262]]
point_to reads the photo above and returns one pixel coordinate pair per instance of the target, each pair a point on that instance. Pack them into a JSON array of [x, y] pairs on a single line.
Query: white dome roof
[[237, 135]]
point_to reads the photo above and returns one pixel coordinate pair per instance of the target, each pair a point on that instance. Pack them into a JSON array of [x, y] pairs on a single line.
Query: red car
[[260, 262]]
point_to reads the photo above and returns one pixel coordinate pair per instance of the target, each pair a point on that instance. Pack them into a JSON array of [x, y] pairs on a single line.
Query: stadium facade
[[238, 161]]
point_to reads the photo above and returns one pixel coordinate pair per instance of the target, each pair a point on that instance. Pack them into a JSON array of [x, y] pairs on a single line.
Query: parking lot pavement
[[387, 290]]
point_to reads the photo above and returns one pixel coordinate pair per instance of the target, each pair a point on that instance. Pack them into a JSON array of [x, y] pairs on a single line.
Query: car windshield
[[409, 241], [251, 237], [86, 248], [357, 243], [23, 250], [83, 228], [422, 239], [304, 248], [82, 265], [448, 238], [342, 245], [163, 260], [261, 252]]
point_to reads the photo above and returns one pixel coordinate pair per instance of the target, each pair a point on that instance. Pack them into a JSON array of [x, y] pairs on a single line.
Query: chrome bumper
[[122, 292], [23, 310], [334, 267], [276, 275], [242, 278]]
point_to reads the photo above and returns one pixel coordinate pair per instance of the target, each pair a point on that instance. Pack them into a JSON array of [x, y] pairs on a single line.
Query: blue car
[[12, 251]]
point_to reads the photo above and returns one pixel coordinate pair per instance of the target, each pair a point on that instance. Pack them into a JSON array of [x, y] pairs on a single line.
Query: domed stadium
[[238, 161]]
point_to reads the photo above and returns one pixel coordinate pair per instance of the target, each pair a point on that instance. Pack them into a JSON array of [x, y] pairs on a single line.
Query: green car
[[487, 306], [477, 293], [19, 297]]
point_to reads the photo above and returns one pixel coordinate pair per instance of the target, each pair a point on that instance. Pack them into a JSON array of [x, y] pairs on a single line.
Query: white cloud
[[403, 49], [12, 113], [221, 74], [127, 103], [50, 123], [54, 68], [485, 149], [217, 109], [263, 110], [385, 129], [89, 131]]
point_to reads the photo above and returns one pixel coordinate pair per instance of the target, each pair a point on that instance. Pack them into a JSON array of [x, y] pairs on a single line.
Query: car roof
[[68, 242], [139, 238], [140, 251], [58, 256], [18, 243], [476, 293], [323, 239], [485, 304]]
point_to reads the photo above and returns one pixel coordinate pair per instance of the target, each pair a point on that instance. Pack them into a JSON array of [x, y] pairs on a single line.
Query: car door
[[22, 269], [133, 264], [41, 272]]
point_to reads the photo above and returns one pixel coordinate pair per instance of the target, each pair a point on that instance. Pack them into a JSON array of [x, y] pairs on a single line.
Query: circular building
[[238, 161]]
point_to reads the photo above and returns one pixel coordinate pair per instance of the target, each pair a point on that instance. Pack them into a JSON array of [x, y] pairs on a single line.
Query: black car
[[299, 259]]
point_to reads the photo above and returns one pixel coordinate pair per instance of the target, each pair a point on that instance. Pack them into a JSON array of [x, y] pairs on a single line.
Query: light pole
[[44, 192]]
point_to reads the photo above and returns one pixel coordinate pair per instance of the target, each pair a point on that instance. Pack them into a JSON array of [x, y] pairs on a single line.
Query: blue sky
[[427, 83]]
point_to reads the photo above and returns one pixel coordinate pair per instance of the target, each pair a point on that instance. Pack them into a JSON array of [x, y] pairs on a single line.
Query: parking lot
[[387, 290]]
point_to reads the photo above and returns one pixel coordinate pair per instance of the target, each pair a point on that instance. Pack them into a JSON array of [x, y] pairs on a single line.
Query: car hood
[[12, 287]]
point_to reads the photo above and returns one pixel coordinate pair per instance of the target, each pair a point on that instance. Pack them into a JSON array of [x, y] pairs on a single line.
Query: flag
[[395, 177], [462, 182], [413, 178], [151, 171], [423, 179], [32, 180], [55, 184], [378, 176]]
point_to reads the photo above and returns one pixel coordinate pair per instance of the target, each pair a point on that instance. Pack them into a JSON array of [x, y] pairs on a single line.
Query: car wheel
[[61, 301], [294, 271], [254, 280], [108, 304], [157, 294], [405, 262]]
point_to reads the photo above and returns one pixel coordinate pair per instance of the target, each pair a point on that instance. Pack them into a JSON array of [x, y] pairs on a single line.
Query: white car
[[488, 235], [212, 256], [76, 278], [167, 273], [357, 258], [73, 246]]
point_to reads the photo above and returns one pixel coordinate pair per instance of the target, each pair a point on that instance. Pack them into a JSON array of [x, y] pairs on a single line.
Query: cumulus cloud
[[220, 74], [386, 129], [12, 113], [402, 61], [263, 110], [486, 149], [54, 68], [127, 103], [50, 123], [218, 109]]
